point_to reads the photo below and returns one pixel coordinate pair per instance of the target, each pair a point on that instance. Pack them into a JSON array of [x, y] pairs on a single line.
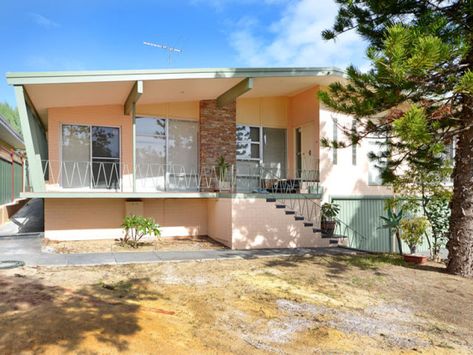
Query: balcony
[[117, 177]]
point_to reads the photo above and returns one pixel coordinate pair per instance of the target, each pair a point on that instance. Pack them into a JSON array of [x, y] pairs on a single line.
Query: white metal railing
[[118, 176]]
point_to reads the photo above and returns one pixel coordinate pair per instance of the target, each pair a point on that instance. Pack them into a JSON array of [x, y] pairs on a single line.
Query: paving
[[28, 249], [28, 220]]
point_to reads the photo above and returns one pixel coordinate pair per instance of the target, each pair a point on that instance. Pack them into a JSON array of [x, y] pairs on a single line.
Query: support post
[[130, 108], [32, 150]]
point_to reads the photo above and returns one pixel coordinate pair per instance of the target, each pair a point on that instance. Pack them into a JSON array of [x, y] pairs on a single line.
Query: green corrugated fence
[[363, 215], [6, 193]]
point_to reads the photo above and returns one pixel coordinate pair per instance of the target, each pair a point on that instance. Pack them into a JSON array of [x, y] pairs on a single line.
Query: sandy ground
[[110, 245], [303, 305]]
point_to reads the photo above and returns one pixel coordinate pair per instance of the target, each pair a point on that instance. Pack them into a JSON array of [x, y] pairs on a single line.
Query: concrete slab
[[29, 219], [185, 255], [38, 259], [90, 259], [135, 257]]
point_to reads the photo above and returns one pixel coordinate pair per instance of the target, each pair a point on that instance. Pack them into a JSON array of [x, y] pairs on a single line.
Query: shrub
[[136, 227], [412, 231]]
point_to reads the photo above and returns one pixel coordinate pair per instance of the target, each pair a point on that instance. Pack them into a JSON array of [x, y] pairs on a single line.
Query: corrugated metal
[[363, 215], [6, 181], [18, 179]]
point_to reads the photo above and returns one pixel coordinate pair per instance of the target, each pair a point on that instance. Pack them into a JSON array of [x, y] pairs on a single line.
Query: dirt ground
[[110, 245], [303, 305]]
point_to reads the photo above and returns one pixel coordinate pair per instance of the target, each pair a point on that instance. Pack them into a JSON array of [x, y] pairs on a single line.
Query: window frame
[[167, 173], [120, 152]]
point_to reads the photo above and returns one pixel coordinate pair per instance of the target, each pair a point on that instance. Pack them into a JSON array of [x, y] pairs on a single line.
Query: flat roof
[[56, 77]]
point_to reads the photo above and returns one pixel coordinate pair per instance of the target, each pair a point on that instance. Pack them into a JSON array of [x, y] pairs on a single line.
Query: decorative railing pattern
[[118, 176]]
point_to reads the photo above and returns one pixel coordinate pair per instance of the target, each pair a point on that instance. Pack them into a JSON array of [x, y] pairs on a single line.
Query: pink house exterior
[[104, 144]]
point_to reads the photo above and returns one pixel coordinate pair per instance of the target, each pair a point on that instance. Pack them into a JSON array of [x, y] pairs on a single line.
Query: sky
[[40, 35]]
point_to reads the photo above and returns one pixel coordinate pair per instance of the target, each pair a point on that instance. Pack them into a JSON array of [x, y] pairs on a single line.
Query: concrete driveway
[[29, 219]]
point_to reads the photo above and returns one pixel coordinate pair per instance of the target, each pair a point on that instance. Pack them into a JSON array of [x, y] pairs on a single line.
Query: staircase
[[307, 212]]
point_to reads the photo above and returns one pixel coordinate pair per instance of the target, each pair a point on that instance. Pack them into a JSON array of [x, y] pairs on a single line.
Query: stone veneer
[[217, 132]]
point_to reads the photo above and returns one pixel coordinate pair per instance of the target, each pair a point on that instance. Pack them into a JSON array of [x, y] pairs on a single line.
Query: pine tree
[[418, 94]]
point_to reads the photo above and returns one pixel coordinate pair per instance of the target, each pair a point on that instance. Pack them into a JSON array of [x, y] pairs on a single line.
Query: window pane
[[150, 163], [75, 167], [105, 142], [374, 173], [254, 134], [274, 151], [255, 151], [150, 126], [243, 150], [243, 133], [182, 155], [248, 176], [106, 173]]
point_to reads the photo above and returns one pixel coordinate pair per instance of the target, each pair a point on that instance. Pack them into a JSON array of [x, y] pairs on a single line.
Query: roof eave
[[9, 135], [27, 78]]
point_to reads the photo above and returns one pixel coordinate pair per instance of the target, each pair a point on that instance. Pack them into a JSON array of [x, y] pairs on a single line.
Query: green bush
[[136, 227], [412, 230]]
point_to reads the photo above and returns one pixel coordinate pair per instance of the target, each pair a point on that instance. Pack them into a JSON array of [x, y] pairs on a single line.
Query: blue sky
[[41, 35]]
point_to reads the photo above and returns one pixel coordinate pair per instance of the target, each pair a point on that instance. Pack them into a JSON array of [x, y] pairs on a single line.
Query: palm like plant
[[393, 222]]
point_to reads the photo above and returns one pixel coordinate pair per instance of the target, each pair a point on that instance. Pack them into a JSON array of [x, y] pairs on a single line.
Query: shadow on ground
[[67, 316]]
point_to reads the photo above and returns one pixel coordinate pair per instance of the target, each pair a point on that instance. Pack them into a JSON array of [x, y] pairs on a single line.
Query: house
[[103, 144], [11, 170]]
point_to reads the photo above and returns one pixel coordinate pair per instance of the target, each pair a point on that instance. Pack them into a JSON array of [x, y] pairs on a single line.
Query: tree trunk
[[460, 243]]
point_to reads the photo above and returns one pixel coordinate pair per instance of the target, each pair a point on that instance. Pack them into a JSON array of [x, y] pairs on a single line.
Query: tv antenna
[[169, 49]]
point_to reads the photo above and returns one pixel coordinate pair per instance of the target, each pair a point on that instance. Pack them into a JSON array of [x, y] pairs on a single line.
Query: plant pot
[[415, 259], [328, 228]]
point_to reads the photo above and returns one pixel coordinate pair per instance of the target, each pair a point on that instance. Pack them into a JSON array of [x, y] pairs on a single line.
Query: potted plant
[[328, 219], [221, 169], [412, 231]]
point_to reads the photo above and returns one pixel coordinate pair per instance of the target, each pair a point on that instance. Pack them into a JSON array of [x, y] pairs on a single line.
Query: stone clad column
[[217, 128]]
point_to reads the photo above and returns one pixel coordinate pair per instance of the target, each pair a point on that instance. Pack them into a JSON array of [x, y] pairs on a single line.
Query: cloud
[[295, 38], [221, 5], [43, 21]]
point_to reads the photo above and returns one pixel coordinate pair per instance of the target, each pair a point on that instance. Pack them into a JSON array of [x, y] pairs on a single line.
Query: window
[[248, 143], [150, 153], [274, 151], [166, 154], [261, 153], [335, 139], [375, 145], [90, 157]]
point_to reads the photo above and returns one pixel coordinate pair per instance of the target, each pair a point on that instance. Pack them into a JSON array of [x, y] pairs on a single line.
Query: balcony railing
[[118, 177]]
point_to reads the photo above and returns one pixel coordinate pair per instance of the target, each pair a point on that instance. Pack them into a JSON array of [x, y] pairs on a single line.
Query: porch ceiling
[[111, 88]]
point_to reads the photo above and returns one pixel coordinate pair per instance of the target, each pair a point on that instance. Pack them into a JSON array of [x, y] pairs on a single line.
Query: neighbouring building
[[11, 170], [103, 144]]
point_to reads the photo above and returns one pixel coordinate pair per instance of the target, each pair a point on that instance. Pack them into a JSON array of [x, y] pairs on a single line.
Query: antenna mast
[[169, 49]]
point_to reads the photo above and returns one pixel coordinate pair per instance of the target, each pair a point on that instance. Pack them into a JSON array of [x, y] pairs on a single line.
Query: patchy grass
[[315, 304], [373, 261]]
